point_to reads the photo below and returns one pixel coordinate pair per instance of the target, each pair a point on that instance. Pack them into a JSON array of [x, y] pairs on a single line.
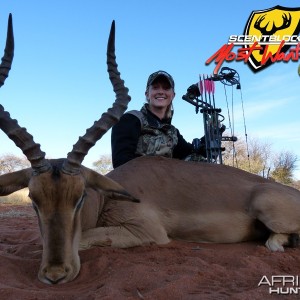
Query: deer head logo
[[274, 24]]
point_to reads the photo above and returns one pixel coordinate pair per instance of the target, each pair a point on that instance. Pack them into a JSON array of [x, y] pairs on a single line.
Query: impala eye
[[80, 202], [34, 206]]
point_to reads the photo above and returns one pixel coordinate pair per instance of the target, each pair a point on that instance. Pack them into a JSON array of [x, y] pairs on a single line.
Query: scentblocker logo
[[270, 36], [281, 284]]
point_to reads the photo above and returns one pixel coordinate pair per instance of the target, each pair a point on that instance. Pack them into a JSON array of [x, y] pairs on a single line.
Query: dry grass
[[11, 203], [14, 213], [17, 198]]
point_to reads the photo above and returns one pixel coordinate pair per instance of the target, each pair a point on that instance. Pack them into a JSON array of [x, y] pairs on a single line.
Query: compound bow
[[202, 96]]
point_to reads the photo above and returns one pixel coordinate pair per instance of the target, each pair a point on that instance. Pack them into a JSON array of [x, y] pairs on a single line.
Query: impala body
[[148, 200]]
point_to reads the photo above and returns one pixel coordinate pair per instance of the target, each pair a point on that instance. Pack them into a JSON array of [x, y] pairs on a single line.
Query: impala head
[[57, 187]]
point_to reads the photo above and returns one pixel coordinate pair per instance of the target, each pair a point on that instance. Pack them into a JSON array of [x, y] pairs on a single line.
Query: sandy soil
[[178, 270]]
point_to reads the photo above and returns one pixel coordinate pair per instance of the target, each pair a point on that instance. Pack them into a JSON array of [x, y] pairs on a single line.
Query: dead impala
[[78, 208]]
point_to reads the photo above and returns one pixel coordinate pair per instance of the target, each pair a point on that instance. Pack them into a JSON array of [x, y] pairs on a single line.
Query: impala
[[148, 200]]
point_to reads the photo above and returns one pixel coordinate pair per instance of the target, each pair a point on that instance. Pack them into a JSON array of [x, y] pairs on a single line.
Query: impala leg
[[279, 211], [118, 237], [107, 236], [276, 241]]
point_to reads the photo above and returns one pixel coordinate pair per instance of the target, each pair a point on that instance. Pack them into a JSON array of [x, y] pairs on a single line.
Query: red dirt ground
[[178, 270]]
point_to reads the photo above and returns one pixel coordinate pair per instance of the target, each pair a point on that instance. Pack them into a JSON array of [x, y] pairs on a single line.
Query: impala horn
[[93, 134], [11, 128], [7, 59]]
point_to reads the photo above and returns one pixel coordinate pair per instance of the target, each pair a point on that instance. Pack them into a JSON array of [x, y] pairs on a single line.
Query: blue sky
[[58, 85]]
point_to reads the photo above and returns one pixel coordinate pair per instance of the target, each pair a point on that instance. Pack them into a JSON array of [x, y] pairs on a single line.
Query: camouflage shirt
[[157, 137], [141, 133]]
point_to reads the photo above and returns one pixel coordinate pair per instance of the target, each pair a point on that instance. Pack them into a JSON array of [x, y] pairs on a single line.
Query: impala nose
[[54, 274]]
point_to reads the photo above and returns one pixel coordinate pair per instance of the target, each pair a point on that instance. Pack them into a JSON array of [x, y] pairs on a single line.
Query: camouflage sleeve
[[124, 138], [183, 148]]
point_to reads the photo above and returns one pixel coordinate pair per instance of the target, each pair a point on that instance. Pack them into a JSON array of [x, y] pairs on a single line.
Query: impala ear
[[15, 181], [109, 187]]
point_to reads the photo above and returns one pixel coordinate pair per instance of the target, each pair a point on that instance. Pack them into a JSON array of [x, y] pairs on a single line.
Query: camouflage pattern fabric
[[195, 157], [155, 140]]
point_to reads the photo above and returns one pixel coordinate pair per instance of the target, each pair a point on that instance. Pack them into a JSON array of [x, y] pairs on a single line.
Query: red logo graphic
[[270, 36]]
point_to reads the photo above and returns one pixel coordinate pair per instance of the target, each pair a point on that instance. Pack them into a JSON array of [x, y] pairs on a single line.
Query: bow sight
[[202, 96]]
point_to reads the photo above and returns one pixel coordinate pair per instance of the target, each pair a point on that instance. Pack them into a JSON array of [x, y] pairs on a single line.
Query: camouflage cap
[[157, 74]]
